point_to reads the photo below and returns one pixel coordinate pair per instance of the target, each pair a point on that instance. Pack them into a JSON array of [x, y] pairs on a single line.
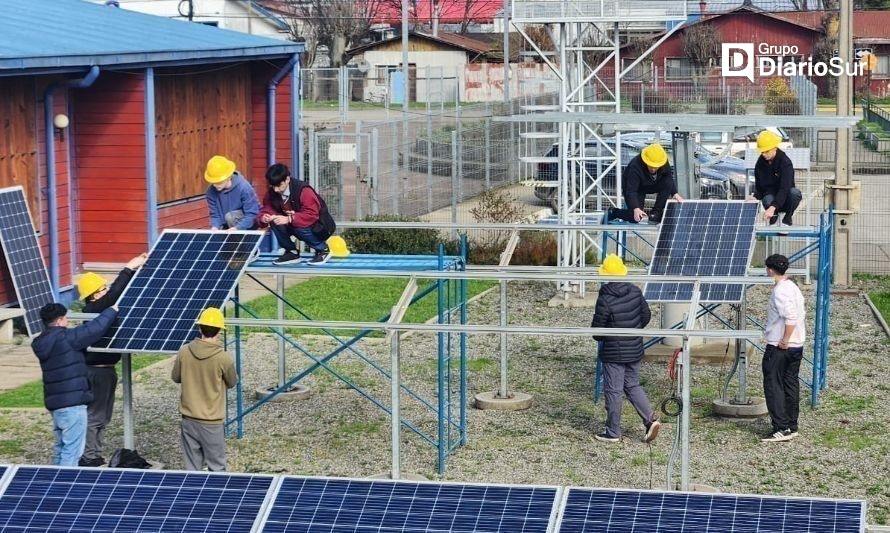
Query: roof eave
[[139, 59]]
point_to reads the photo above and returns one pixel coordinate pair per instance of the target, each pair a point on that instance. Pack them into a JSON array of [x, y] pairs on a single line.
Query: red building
[[672, 70], [149, 100]]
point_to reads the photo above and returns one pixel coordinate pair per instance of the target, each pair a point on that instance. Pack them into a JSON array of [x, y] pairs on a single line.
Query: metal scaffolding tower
[[585, 57]]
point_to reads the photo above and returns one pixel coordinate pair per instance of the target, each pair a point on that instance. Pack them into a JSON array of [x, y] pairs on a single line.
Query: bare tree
[[700, 44], [427, 13], [335, 24]]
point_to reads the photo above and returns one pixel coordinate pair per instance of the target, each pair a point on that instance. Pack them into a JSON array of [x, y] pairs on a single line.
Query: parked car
[[745, 139], [715, 182]]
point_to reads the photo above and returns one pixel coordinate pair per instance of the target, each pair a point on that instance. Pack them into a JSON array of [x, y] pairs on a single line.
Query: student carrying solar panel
[[646, 173], [97, 296], [232, 200], [66, 390]]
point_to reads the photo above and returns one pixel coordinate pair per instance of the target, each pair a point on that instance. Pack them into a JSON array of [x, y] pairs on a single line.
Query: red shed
[[149, 101]]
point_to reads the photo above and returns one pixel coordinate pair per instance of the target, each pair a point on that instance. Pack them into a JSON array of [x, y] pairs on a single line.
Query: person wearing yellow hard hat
[[232, 200], [647, 173], [774, 180], [204, 370], [97, 296], [621, 305]]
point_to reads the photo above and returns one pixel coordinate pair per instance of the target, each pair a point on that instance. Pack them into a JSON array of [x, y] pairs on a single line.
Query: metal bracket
[[398, 310]]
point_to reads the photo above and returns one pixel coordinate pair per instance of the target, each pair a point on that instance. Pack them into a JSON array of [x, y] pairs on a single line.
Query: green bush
[[392, 241], [718, 105]]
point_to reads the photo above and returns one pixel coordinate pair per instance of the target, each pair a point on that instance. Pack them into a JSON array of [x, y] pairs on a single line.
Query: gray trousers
[[203, 444], [620, 379], [103, 382]]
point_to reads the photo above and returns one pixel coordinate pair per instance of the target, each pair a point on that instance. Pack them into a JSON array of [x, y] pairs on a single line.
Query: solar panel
[[32, 287], [186, 272], [316, 504], [616, 511], [703, 238], [70, 499]]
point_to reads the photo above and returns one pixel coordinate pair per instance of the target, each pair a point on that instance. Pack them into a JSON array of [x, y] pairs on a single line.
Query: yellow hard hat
[[338, 246], [89, 283], [613, 266], [212, 317], [767, 140], [654, 155], [219, 169]]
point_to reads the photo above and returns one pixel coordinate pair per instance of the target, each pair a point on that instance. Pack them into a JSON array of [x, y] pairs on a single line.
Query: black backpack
[[126, 458], [325, 226]]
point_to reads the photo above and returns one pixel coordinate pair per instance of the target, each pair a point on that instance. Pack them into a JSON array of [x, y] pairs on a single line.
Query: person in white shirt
[[785, 333]]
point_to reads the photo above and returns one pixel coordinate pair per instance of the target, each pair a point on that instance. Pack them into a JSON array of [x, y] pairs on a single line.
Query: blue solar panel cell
[[23, 257], [702, 238], [186, 272], [328, 505], [617, 511], [60, 499]]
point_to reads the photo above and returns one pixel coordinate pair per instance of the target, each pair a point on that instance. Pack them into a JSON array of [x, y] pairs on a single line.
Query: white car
[[743, 139]]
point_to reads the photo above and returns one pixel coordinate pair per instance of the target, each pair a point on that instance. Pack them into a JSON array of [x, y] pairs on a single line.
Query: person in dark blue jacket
[[66, 388], [231, 199], [622, 305]]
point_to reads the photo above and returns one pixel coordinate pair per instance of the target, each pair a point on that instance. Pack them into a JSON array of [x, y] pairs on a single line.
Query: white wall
[[438, 73], [227, 14]]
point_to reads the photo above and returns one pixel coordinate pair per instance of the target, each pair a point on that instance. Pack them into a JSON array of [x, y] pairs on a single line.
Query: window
[[384, 72], [642, 71], [678, 68], [883, 66]]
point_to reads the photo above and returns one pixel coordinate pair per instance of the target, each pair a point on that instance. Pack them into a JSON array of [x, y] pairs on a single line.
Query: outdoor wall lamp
[[60, 122]]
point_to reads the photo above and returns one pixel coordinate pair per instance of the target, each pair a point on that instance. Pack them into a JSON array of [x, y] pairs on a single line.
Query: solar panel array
[[23, 258], [702, 238], [186, 272], [600, 510], [70, 499], [317, 504], [52, 498]]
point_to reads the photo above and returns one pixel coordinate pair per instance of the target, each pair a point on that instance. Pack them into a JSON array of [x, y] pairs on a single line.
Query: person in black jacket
[[66, 388], [774, 180], [646, 173], [622, 305], [97, 297]]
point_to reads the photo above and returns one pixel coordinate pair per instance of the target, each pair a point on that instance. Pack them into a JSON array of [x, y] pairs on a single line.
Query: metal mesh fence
[[435, 164]]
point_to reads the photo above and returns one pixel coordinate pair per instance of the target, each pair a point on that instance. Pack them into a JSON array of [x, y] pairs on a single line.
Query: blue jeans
[[70, 427], [283, 233]]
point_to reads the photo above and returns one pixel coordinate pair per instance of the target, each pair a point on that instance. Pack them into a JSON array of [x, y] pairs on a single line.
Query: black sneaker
[[288, 258], [652, 431], [320, 258], [778, 436], [605, 437], [786, 220], [94, 462]]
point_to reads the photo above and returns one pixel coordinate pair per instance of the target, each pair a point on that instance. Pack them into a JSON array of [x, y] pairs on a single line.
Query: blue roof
[[70, 34]]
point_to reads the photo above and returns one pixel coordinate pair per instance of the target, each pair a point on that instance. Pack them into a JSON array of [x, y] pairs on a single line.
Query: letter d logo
[[737, 61]]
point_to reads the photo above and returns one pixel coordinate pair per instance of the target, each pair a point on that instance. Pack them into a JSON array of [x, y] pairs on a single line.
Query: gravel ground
[[842, 451]]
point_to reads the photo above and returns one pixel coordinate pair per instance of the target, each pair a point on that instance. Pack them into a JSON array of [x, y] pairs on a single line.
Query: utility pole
[[843, 274], [406, 73]]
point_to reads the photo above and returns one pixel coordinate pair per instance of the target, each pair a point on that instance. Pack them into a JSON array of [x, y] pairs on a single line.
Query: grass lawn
[[31, 394], [879, 293], [352, 299]]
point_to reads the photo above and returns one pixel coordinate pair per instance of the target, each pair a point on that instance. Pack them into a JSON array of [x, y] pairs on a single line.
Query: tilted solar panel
[[70, 499], [23, 258], [617, 511], [186, 272], [702, 238], [318, 504]]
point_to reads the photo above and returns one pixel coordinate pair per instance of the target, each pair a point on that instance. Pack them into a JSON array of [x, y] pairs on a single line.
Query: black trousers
[[781, 385], [663, 189]]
